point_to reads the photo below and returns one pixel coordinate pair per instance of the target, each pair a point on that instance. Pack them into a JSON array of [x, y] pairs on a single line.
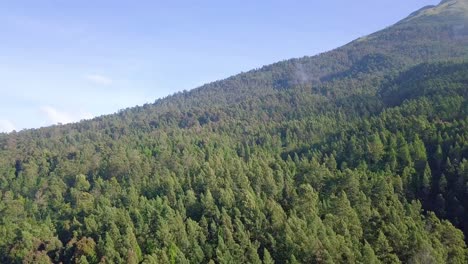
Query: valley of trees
[[359, 155]]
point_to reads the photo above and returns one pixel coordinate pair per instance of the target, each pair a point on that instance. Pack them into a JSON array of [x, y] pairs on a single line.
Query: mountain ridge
[[307, 69]]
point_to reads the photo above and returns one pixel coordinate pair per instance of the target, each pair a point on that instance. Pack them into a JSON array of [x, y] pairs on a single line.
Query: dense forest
[[357, 155]]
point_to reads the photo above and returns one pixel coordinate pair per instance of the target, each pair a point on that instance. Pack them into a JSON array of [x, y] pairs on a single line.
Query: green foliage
[[338, 158]]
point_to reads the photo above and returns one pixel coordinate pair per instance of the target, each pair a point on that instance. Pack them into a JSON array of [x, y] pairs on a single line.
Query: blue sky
[[63, 61]]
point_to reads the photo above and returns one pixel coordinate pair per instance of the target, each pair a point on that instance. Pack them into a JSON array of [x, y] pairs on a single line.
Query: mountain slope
[[354, 155]]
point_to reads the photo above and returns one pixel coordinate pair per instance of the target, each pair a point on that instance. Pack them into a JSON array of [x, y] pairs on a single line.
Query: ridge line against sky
[[63, 61]]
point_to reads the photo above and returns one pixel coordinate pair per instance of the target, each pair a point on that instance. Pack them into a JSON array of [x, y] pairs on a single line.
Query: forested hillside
[[357, 155]]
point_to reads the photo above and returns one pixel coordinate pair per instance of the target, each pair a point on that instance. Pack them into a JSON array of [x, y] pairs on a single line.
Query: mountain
[[357, 155]]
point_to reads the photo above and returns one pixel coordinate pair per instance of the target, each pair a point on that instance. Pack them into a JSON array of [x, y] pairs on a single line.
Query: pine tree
[[368, 255], [375, 148], [426, 181], [403, 152], [438, 157], [384, 251], [419, 154], [267, 259]]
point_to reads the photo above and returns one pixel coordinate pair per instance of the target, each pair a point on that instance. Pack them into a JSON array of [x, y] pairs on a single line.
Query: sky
[[64, 61]]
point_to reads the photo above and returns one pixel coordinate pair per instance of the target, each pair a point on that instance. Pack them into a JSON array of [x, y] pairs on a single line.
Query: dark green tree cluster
[[359, 155], [324, 188]]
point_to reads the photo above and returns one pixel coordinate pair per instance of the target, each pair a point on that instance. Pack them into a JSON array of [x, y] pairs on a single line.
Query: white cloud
[[6, 126], [99, 79], [55, 116]]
